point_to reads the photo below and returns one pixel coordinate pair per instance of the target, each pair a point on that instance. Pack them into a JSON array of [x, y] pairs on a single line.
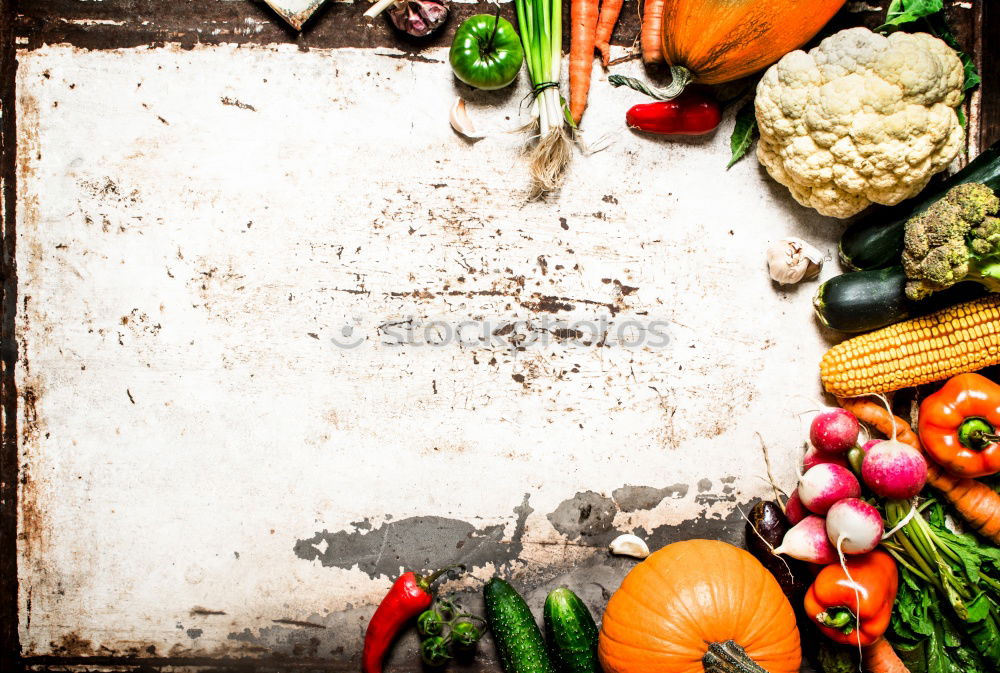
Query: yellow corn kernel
[[955, 340]]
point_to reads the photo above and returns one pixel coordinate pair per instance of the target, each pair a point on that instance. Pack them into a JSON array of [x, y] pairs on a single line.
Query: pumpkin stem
[[728, 657], [681, 78]]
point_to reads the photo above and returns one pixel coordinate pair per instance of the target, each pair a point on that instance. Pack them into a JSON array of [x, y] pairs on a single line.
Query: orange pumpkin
[[715, 41], [699, 606]]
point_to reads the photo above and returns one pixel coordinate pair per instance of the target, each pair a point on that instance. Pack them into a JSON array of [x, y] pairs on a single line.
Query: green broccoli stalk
[[956, 239]]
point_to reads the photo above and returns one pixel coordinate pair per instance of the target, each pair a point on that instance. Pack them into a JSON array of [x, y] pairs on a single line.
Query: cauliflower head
[[861, 119]]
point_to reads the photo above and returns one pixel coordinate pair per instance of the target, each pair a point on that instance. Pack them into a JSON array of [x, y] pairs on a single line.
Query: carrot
[[652, 27], [610, 9], [978, 504], [583, 16], [879, 657]]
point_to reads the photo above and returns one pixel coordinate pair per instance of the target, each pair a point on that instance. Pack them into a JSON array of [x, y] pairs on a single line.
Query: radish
[[866, 447], [795, 511], [854, 526], [816, 457], [834, 431], [807, 541], [825, 484], [894, 470]]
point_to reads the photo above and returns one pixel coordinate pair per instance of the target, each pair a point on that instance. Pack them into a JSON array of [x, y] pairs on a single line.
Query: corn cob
[[958, 339]]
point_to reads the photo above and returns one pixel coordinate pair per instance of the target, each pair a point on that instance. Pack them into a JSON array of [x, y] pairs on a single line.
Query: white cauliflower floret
[[860, 119]]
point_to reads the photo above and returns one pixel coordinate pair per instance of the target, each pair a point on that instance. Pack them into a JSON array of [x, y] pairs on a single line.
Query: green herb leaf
[[744, 132], [907, 11]]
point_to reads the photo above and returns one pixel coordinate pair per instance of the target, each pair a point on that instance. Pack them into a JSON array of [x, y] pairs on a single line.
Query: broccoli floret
[[956, 239]]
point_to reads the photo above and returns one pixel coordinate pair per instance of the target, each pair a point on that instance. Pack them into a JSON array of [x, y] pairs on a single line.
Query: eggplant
[[770, 524]]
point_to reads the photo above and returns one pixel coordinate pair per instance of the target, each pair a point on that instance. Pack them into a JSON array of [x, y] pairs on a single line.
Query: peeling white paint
[[177, 253]]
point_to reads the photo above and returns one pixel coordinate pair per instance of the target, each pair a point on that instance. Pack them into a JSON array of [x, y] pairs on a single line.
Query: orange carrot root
[[879, 657], [978, 504], [652, 26], [583, 17], [610, 9]]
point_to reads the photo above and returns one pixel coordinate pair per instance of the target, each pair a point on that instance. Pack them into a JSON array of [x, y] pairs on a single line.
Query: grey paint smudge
[[634, 498], [727, 529], [704, 485], [586, 515], [194, 633], [416, 543]]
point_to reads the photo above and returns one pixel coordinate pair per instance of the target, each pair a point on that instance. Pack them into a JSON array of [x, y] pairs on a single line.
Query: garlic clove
[[460, 121], [629, 545], [791, 260]]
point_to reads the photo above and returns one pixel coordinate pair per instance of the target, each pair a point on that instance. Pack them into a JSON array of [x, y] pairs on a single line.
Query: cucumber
[[518, 638], [571, 633], [865, 300], [876, 241]]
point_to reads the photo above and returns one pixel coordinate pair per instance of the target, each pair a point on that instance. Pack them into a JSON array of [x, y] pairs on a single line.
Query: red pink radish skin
[[825, 484], [834, 431], [807, 541], [854, 526], [795, 511], [894, 470], [816, 457]]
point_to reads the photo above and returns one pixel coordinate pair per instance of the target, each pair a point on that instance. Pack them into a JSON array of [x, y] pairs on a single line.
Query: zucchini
[[876, 241], [571, 633], [518, 638], [865, 300]]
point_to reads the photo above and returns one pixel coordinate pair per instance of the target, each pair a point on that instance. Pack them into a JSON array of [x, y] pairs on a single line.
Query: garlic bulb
[[792, 259], [629, 545]]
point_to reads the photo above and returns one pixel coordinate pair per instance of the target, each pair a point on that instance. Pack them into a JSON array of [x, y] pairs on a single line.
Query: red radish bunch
[[828, 515]]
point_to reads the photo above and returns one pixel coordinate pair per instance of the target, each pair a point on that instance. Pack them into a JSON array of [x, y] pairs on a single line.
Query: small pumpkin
[[716, 41], [699, 606]]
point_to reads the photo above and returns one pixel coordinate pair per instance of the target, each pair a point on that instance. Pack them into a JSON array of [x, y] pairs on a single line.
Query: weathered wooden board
[[282, 333]]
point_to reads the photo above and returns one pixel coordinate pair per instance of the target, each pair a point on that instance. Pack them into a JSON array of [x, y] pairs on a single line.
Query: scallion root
[[549, 158]]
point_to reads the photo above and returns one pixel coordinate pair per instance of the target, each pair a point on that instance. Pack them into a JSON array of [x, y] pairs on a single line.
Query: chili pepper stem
[[425, 581], [681, 78]]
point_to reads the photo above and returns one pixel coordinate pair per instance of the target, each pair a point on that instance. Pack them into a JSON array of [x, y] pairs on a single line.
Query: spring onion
[[540, 25]]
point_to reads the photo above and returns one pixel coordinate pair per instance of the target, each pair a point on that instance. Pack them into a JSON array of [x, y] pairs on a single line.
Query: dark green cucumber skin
[[861, 301], [518, 638], [571, 633], [876, 241]]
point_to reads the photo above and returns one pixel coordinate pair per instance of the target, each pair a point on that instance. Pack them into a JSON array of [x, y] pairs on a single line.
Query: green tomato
[[430, 623], [434, 651], [487, 52], [465, 634]]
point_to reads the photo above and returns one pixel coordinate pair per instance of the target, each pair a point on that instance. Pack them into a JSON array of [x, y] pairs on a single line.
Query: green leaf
[[744, 132], [979, 608], [908, 11], [913, 656]]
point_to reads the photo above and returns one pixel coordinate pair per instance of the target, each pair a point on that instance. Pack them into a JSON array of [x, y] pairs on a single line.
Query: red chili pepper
[[690, 114], [409, 596]]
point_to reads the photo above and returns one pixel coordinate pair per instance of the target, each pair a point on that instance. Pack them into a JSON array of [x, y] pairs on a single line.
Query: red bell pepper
[[854, 612], [958, 426], [409, 596]]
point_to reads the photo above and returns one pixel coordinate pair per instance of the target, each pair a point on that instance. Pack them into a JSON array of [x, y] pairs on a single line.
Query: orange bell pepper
[[958, 426], [833, 600]]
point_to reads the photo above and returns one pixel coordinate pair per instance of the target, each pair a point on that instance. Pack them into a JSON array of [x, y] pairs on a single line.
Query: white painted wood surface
[[195, 227]]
